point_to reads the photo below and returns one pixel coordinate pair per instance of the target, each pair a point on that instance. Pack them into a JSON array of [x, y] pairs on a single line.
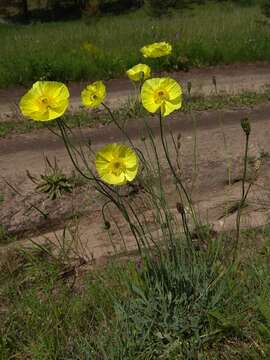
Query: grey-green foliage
[[171, 309], [54, 182]]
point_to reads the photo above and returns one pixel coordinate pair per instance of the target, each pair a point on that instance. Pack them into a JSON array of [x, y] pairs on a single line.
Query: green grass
[[216, 33], [131, 110], [189, 311], [73, 120], [5, 237]]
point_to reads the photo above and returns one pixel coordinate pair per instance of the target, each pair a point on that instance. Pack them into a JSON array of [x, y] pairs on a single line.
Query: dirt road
[[213, 139], [212, 194], [231, 79]]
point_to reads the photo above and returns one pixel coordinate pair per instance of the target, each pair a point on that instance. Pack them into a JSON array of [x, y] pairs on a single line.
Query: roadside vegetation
[[132, 110], [55, 309], [202, 35], [187, 290]]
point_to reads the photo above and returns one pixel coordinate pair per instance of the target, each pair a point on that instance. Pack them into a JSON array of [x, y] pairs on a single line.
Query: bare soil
[[214, 139], [211, 193]]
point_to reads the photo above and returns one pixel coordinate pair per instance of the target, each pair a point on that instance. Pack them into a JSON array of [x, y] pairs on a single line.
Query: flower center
[[117, 167], [161, 95], [45, 103]]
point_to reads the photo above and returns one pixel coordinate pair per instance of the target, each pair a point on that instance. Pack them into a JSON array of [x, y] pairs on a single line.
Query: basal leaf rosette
[[117, 164], [139, 72], [93, 95], [45, 101], [156, 50], [163, 94]]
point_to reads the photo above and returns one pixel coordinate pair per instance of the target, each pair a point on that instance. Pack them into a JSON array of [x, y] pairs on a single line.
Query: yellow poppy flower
[[161, 93], [156, 50], [94, 94], [139, 72], [45, 101], [90, 48], [117, 164]]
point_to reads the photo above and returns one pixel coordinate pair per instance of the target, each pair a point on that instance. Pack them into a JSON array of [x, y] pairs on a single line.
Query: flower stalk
[[245, 124]]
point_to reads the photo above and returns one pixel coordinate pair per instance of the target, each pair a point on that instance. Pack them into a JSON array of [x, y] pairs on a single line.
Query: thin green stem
[[245, 165], [169, 160], [243, 199], [117, 124], [69, 152]]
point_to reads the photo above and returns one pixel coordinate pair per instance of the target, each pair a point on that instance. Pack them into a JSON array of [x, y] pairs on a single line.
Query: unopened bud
[[107, 225], [180, 208], [189, 87], [214, 80], [179, 141], [143, 138], [246, 125]]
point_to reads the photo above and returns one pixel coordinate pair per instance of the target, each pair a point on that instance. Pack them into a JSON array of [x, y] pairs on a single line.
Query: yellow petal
[[108, 156], [169, 101], [139, 72], [173, 88], [148, 95], [168, 107], [45, 101], [130, 174], [94, 94]]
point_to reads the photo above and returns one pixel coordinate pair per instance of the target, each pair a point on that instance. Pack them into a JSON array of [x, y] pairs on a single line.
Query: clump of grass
[[5, 236], [44, 310], [135, 310], [215, 33]]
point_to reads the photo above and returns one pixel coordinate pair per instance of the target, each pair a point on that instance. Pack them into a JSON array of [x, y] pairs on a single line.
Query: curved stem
[[93, 178], [117, 124], [169, 161], [245, 166], [243, 199], [69, 151]]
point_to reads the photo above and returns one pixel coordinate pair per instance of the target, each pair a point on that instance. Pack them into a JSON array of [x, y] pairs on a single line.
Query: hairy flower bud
[[107, 225], [179, 141], [180, 208], [189, 87], [246, 125]]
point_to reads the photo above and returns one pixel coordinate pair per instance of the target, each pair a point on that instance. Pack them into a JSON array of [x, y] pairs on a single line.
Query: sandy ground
[[218, 141]]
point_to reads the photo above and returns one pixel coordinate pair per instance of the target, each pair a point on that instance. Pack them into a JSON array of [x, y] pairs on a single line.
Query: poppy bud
[[246, 125], [107, 225], [180, 208]]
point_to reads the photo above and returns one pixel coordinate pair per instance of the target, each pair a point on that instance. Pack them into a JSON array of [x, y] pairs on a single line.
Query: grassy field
[[203, 35], [125, 312]]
